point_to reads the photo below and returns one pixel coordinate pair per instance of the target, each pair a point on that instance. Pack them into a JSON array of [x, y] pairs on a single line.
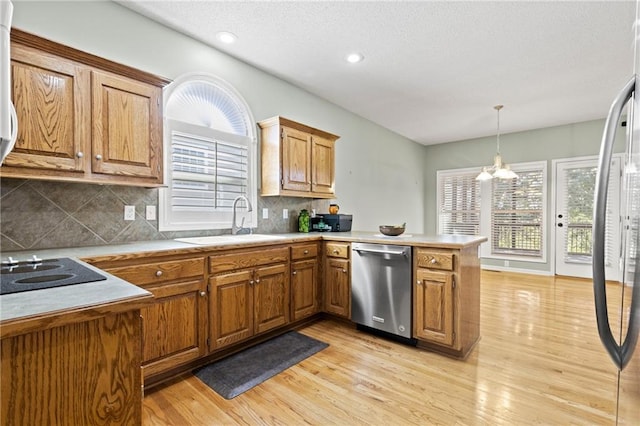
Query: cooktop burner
[[38, 274]]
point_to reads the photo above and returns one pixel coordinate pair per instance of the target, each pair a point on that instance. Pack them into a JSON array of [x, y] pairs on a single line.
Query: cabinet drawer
[[434, 260], [247, 259], [337, 250], [305, 251], [157, 272]]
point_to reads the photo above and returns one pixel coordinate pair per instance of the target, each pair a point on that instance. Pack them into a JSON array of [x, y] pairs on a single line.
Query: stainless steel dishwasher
[[381, 287]]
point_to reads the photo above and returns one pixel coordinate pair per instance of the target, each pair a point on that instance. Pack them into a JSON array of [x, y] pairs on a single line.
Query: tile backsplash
[[38, 214]]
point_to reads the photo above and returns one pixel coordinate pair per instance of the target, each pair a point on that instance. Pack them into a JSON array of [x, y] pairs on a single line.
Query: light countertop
[[143, 248], [34, 308], [39, 304]]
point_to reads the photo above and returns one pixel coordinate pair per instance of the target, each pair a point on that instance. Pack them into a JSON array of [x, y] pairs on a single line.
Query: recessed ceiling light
[[226, 37], [354, 58]]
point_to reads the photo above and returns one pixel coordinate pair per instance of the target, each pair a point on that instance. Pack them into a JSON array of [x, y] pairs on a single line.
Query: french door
[[575, 183]]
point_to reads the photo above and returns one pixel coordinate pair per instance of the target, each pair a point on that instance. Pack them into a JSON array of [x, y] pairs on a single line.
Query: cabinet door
[[81, 373], [433, 306], [323, 165], [304, 288], [271, 297], [338, 287], [173, 326], [296, 160], [230, 308], [53, 101], [127, 127]]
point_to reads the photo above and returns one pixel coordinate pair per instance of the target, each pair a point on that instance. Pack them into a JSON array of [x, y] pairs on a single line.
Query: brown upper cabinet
[[297, 160], [83, 118]]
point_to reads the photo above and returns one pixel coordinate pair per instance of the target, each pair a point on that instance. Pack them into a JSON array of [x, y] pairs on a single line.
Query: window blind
[[459, 204], [517, 214], [206, 170], [207, 174]]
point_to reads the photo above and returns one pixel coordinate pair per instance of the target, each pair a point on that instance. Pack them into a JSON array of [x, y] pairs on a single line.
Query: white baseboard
[[518, 270]]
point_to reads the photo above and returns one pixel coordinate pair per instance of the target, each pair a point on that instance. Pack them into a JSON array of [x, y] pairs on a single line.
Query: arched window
[[210, 154]]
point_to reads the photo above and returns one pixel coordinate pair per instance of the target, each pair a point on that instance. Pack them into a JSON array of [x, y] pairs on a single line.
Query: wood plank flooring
[[539, 361]]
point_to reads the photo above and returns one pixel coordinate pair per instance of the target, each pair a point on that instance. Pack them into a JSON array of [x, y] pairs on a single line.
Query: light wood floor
[[539, 361]]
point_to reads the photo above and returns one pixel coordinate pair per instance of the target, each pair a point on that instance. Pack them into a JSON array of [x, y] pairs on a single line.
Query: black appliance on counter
[[37, 274], [331, 222]]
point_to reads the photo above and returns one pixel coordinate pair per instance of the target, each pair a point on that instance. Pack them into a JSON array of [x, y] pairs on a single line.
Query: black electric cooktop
[[39, 274]]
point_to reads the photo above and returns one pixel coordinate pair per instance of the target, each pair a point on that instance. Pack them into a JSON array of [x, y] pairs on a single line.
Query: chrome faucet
[[235, 229]]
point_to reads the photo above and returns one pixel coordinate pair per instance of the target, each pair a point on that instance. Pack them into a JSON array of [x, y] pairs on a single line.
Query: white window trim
[[221, 220]]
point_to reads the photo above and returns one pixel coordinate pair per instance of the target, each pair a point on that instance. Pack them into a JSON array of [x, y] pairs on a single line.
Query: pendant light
[[498, 169]]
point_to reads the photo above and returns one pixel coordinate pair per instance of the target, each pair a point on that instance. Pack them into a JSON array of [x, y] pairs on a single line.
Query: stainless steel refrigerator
[[618, 326]]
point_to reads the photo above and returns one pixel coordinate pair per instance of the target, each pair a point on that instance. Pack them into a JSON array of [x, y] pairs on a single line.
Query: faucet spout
[[235, 229]]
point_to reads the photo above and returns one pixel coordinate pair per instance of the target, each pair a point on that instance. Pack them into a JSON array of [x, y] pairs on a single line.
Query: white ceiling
[[433, 70]]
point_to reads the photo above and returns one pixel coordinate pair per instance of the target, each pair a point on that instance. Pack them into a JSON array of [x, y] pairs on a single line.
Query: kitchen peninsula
[[191, 320], [71, 355]]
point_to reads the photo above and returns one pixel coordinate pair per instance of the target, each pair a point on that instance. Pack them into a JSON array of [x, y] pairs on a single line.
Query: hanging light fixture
[[498, 169]]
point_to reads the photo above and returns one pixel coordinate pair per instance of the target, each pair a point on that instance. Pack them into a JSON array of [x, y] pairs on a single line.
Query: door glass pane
[[580, 184]]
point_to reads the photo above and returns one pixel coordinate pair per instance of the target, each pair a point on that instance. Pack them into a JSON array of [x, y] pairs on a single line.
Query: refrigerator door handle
[[620, 354]]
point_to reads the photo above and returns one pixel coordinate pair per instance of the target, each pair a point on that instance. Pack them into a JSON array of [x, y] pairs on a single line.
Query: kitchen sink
[[225, 239]]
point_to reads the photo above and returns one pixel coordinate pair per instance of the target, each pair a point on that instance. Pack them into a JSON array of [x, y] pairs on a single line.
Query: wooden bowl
[[391, 230]]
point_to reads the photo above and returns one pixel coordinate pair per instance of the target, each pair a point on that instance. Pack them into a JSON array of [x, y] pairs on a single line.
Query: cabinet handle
[[344, 270], [203, 293], [336, 251], [158, 273], [294, 272], [434, 261], [257, 280], [419, 282], [250, 282], [79, 154], [306, 252], [98, 157]]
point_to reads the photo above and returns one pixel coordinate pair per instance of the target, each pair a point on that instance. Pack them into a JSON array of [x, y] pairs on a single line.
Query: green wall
[[574, 140], [375, 187]]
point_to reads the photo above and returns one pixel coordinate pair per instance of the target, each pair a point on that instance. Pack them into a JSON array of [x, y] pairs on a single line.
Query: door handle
[[394, 252], [13, 137], [620, 354]]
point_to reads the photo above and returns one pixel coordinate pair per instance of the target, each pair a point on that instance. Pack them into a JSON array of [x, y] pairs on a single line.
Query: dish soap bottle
[[303, 221]]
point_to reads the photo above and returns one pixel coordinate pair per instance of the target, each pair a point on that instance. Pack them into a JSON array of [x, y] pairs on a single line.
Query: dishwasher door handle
[[394, 252]]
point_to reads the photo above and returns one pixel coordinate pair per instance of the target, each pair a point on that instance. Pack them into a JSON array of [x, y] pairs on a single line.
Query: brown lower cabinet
[[446, 299], [207, 302], [434, 306], [305, 292], [72, 374], [248, 294], [337, 276], [174, 331]]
